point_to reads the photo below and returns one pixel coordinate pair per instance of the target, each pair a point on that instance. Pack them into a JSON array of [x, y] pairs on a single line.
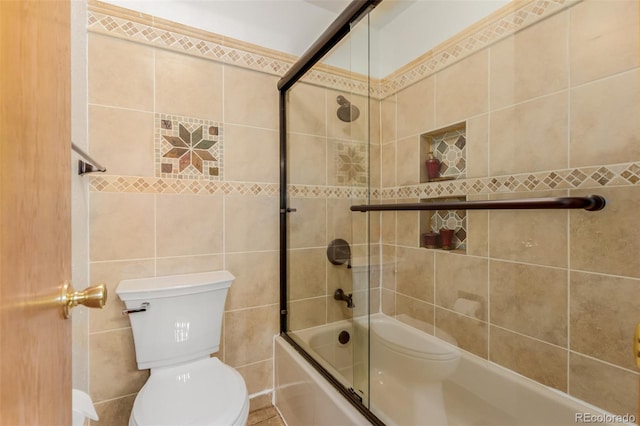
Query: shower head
[[346, 111]]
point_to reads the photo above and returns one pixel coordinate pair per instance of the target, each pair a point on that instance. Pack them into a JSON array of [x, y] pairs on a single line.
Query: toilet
[[416, 360], [176, 322]]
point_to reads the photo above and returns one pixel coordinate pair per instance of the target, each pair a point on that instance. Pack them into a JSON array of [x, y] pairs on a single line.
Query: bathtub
[[478, 393]]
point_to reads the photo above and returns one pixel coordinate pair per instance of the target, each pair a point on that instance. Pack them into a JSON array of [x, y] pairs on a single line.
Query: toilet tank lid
[[173, 285]]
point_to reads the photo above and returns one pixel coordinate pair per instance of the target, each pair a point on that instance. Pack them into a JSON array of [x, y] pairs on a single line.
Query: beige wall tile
[[531, 300], [605, 110], [250, 98], [306, 273], [470, 334], [415, 313], [255, 325], [603, 385], [408, 226], [121, 226], [337, 310], [461, 277], [188, 86], [345, 224], [115, 412], [111, 273], [251, 223], [188, 224], [375, 294], [539, 361], [388, 116], [189, 264], [608, 240], [258, 377], [113, 371], [257, 279], [604, 39], [375, 166], [415, 276], [388, 165], [408, 164], [531, 63], [120, 73], [122, 140], [477, 229], [530, 137], [532, 236], [306, 110], [604, 313], [338, 276], [251, 154], [307, 313], [388, 227], [389, 267], [375, 124], [388, 302], [477, 146], [462, 90], [306, 159], [308, 225], [415, 108]]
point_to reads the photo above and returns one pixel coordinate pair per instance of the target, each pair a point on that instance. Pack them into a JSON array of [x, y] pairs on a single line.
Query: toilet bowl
[[410, 356], [176, 323]]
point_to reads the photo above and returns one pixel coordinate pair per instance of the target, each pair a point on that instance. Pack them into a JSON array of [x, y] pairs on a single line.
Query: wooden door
[[35, 215]]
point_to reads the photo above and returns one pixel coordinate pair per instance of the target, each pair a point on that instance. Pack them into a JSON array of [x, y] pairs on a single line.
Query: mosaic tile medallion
[[188, 148], [450, 148], [351, 164]]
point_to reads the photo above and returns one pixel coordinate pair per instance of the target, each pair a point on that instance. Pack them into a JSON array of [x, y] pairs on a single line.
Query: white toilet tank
[[183, 319]]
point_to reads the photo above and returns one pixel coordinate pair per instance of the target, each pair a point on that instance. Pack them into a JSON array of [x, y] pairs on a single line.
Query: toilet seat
[[404, 339], [204, 392]]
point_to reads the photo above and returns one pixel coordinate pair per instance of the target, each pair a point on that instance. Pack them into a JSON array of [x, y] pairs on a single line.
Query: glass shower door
[[327, 167]]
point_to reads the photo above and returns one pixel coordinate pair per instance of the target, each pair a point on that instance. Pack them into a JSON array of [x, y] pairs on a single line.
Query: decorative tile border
[[579, 178], [158, 185], [625, 174], [129, 29]]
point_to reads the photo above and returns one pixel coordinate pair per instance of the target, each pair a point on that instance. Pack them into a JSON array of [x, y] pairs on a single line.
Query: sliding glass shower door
[[327, 171]]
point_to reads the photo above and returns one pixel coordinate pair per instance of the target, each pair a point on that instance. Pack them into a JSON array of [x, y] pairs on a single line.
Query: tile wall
[[551, 110], [191, 149]]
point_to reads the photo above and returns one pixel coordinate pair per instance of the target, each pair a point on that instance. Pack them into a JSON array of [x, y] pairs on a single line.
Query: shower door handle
[[288, 210]]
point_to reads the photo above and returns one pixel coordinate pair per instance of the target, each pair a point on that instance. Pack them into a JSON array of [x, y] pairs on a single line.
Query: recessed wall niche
[[435, 220], [448, 146]]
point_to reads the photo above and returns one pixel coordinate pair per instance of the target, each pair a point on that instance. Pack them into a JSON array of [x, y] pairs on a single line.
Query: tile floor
[[265, 416]]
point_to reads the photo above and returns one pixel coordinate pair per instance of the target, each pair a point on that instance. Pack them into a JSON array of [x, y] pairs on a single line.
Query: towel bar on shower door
[[591, 203]]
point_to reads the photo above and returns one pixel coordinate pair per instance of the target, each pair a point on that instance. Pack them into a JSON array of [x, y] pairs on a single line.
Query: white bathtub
[[478, 393]]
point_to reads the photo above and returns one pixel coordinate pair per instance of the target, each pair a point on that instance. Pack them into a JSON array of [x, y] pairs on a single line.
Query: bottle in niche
[[446, 238], [433, 167]]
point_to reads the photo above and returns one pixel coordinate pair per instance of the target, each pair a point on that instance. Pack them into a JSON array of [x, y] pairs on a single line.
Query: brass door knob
[[91, 297]]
